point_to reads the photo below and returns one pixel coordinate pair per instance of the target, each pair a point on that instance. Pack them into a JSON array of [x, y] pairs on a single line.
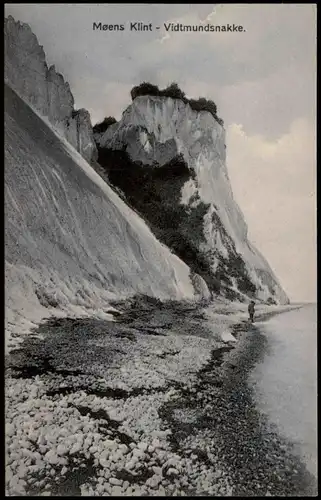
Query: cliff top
[[173, 91]]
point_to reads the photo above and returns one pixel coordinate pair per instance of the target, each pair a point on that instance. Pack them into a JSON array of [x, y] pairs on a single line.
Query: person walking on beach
[[251, 310]]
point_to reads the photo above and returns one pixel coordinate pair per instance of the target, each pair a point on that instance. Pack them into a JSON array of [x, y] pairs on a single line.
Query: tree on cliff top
[[103, 126]]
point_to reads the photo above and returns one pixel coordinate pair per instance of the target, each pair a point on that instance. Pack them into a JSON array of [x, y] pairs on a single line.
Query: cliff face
[[167, 161], [170, 162], [71, 243], [26, 72]]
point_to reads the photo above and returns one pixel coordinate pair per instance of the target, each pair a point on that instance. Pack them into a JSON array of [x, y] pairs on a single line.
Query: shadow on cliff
[[154, 191]]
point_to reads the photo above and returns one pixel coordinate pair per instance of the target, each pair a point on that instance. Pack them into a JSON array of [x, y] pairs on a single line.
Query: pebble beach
[[151, 404]]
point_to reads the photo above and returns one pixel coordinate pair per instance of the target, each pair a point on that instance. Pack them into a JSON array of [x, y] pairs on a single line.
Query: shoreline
[[145, 426], [257, 460]]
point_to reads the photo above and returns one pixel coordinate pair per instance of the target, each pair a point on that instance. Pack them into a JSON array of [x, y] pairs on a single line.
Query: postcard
[[160, 250]]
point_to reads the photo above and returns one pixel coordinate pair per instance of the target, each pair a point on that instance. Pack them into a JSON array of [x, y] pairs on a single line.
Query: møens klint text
[[139, 26]]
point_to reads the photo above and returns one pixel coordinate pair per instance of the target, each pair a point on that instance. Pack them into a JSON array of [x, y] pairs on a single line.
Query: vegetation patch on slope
[[232, 266], [155, 193]]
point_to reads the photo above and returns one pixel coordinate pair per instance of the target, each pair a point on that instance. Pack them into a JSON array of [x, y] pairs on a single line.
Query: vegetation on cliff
[[173, 91], [103, 126]]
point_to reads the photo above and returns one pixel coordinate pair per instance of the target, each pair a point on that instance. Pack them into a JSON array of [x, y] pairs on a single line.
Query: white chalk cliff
[[26, 72], [71, 244], [154, 130]]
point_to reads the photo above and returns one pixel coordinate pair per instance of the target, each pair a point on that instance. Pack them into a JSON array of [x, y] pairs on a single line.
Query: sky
[[262, 79]]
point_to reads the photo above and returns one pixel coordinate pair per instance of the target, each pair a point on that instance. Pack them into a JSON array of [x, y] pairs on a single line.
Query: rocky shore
[[150, 404]]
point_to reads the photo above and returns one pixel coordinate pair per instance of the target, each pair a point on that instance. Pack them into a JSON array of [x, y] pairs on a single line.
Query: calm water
[[286, 381]]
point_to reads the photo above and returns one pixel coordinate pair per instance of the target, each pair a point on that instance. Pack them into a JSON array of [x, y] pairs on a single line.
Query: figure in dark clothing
[[251, 310]]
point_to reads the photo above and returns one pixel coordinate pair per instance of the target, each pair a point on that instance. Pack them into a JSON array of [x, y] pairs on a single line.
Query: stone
[[123, 448], [117, 491], [104, 462], [142, 446], [130, 465], [76, 448], [156, 443], [61, 450], [139, 454], [51, 457], [64, 471], [111, 444], [154, 481], [115, 481], [100, 488], [172, 471]]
